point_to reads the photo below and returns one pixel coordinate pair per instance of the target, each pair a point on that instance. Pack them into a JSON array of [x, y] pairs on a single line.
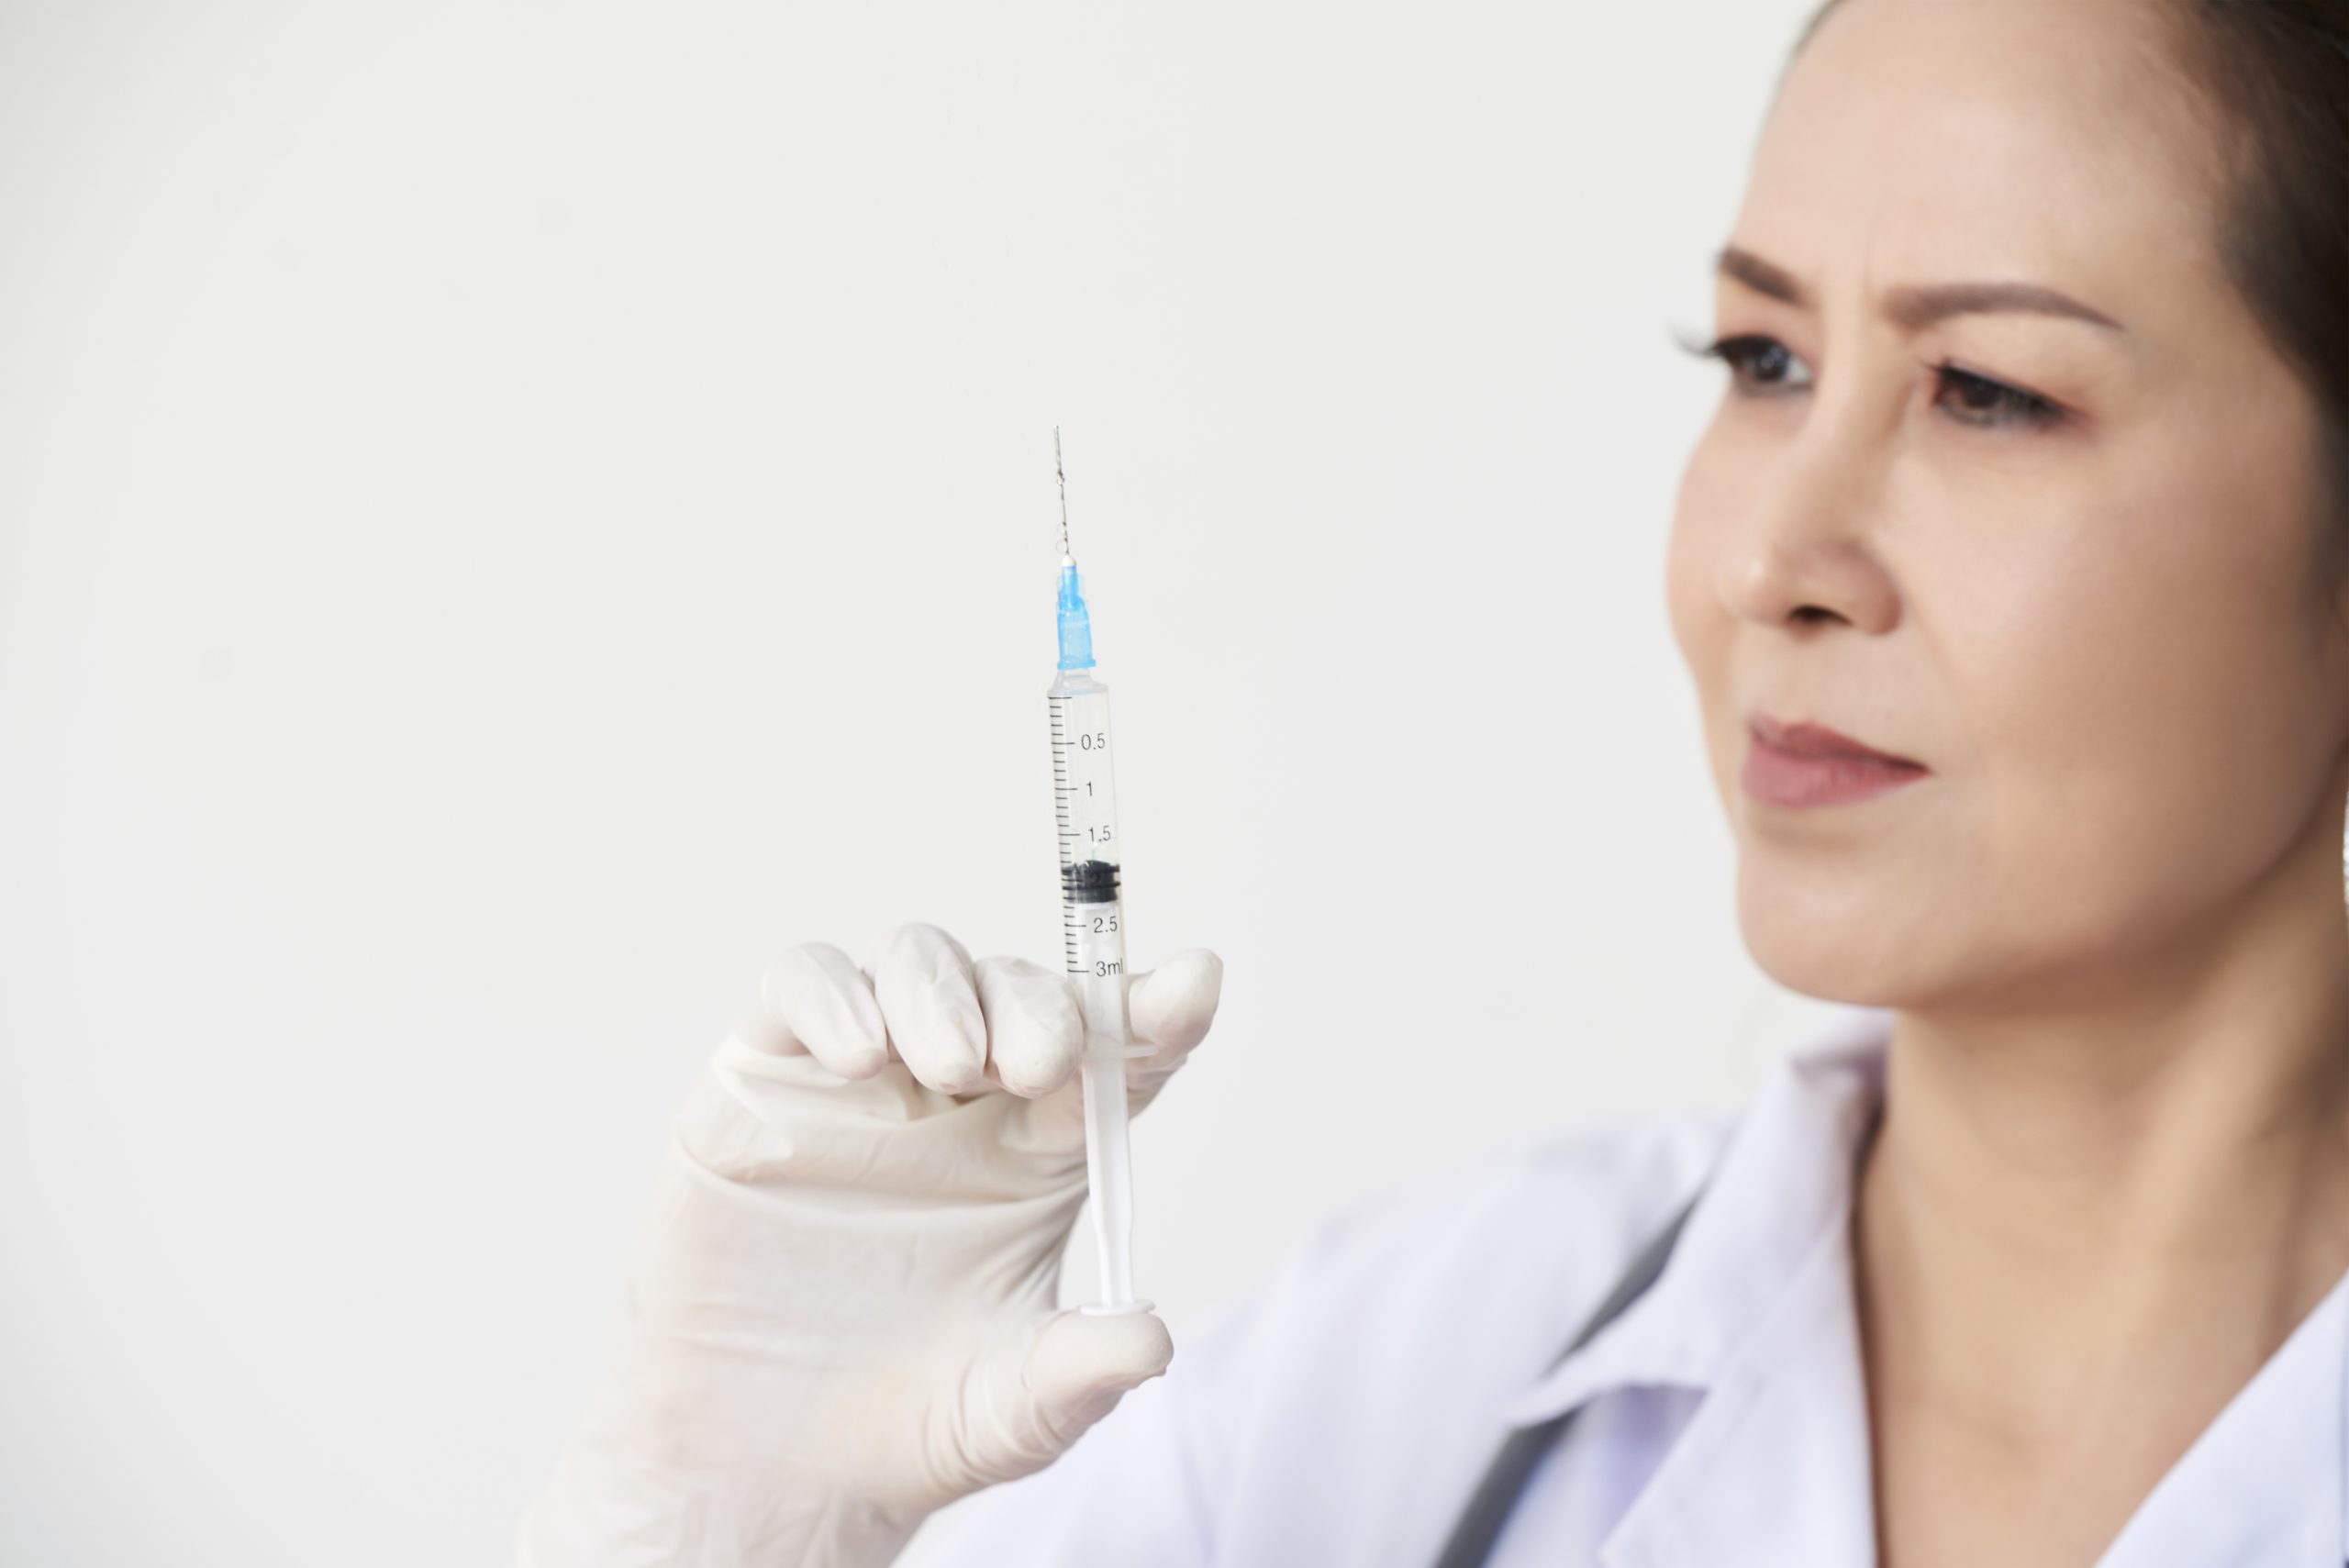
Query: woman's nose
[[1804, 551]]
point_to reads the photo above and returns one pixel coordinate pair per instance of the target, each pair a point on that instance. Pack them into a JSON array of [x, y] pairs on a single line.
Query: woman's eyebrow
[[1913, 305], [1921, 305], [1762, 277]]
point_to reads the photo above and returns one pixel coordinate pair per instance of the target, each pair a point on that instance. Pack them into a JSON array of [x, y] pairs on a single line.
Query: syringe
[[1093, 922]]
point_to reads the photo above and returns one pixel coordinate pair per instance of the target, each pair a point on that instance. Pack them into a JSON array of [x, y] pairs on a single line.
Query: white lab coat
[[1344, 1414]]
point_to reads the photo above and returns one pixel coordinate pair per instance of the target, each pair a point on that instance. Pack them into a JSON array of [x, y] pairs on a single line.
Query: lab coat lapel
[[2261, 1486], [1773, 1469]]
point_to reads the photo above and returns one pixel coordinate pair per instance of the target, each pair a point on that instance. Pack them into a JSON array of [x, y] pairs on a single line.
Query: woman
[[2031, 481]]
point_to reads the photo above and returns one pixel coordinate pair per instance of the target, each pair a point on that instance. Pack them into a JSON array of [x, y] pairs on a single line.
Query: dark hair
[[2278, 73], [2280, 70]]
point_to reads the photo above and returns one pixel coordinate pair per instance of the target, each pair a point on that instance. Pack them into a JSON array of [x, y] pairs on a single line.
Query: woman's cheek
[[1701, 518], [2110, 687], [1702, 627]]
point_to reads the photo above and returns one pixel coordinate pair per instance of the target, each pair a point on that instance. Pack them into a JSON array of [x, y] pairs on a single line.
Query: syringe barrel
[[1092, 923], [1097, 960]]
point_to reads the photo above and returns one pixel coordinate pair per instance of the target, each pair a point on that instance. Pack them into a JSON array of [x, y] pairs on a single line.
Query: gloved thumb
[[1082, 1365], [1032, 1394]]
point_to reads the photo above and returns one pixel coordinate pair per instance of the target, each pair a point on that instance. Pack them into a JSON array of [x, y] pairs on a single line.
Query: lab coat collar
[[1755, 1309], [1774, 1205], [2268, 1482]]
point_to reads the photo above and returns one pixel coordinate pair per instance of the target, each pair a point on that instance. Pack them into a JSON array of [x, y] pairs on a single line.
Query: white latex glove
[[841, 1315]]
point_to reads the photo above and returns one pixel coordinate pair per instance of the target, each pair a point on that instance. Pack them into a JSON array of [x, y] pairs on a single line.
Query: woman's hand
[[840, 1316]]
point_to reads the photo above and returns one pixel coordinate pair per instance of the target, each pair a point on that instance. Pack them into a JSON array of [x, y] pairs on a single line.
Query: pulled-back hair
[[2280, 70]]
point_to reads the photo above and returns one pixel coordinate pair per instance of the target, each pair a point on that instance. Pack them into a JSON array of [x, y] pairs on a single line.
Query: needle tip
[[1062, 475]]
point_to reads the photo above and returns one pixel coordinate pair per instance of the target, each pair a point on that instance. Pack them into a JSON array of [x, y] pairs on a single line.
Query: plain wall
[[511, 515]]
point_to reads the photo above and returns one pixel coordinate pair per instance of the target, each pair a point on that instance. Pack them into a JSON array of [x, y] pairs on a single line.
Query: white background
[[510, 516]]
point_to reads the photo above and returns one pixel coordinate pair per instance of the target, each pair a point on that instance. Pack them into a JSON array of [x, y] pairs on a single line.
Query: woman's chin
[[1847, 945]]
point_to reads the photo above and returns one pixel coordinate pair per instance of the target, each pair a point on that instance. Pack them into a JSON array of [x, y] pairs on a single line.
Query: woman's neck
[[2086, 1222]]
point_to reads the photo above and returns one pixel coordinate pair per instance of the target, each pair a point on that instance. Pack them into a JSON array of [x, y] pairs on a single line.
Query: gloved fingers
[[1171, 1007], [1035, 1028], [814, 1001], [1169, 1010], [922, 979]]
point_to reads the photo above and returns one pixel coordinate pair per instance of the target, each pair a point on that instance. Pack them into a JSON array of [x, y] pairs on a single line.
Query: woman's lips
[[1810, 765]]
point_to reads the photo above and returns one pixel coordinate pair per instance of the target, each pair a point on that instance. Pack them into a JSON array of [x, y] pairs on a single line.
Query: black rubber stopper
[[1089, 882]]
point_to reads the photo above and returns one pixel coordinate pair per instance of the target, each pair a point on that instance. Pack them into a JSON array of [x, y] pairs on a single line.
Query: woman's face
[[2056, 543]]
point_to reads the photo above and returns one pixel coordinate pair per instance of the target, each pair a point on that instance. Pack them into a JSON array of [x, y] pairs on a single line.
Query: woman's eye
[[1759, 366], [1977, 400]]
